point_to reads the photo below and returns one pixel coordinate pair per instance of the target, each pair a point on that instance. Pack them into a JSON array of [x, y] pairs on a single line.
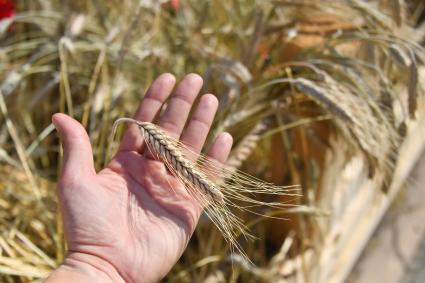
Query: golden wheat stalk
[[215, 186]]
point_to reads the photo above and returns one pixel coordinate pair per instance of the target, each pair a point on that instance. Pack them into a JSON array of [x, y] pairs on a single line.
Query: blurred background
[[329, 95]]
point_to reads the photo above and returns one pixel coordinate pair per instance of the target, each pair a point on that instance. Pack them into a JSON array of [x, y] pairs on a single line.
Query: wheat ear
[[163, 146], [214, 186]]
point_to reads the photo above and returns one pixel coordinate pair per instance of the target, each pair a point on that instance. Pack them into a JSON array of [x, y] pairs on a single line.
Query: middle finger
[[178, 109]]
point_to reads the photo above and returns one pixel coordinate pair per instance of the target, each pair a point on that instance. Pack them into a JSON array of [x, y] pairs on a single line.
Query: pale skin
[[131, 221]]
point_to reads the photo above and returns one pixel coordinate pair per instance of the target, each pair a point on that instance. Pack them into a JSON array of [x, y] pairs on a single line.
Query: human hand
[[132, 221]]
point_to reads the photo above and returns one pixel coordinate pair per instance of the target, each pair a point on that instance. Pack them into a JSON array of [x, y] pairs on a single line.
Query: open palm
[[132, 221]]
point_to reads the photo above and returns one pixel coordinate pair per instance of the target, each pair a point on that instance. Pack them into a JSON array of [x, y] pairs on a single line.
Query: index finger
[[152, 102]]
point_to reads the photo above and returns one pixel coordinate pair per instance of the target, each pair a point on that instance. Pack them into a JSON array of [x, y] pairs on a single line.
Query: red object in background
[[262, 50], [171, 4], [7, 9], [175, 4]]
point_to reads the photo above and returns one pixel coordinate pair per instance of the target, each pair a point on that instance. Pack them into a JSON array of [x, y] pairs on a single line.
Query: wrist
[[81, 267]]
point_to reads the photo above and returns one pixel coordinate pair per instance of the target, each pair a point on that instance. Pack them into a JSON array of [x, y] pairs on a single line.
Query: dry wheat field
[[327, 95]]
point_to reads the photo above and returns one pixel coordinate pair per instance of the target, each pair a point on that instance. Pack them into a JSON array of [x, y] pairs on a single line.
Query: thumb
[[78, 155]]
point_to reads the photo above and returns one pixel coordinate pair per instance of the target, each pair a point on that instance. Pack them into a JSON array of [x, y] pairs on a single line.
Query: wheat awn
[[214, 186]]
